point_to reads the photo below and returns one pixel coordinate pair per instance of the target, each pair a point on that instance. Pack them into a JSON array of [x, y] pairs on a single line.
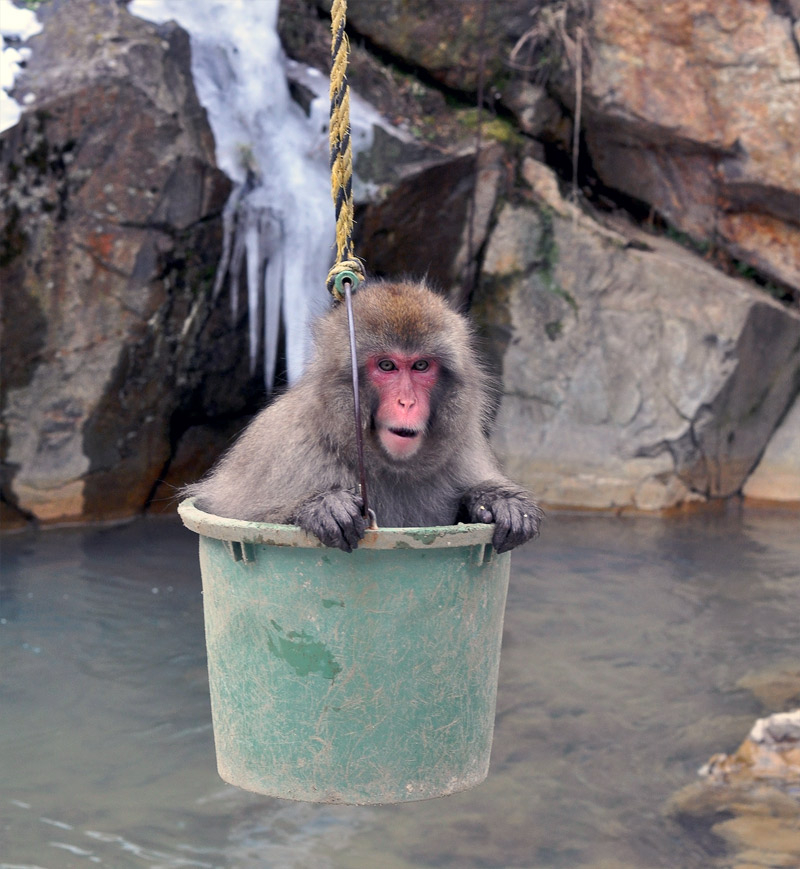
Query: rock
[[111, 231], [633, 373], [537, 113], [774, 689], [444, 37], [704, 129], [749, 799], [692, 107], [762, 842], [777, 476], [197, 450], [395, 235], [771, 751]]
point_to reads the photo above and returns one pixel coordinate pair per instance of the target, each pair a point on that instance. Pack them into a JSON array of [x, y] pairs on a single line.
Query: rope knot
[[346, 270]]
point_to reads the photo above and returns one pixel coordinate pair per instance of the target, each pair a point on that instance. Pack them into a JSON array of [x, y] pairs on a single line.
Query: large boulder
[[449, 39], [110, 236], [633, 373], [776, 478], [435, 221], [694, 107], [691, 108]]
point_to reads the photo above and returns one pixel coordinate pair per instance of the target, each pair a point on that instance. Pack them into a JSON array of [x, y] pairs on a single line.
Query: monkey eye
[[421, 365], [386, 365]]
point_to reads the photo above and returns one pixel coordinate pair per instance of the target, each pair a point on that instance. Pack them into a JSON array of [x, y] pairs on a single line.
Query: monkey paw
[[335, 517], [515, 514]]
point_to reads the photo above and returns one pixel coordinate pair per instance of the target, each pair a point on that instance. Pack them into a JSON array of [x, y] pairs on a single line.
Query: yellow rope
[[341, 154]]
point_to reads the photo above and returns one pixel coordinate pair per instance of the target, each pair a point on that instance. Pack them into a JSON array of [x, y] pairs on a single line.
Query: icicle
[[252, 238], [228, 227], [16, 25], [273, 293], [235, 270], [279, 215]]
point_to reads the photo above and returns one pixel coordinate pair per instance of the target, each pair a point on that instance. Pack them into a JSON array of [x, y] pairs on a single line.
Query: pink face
[[404, 385]]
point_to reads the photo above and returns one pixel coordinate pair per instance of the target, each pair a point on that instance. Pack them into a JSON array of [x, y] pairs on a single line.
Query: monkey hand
[[335, 517], [515, 514]]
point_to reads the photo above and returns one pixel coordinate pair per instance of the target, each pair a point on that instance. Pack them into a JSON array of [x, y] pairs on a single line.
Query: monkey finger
[[505, 533], [482, 514], [352, 529], [330, 533], [349, 522], [332, 536], [316, 517], [532, 519], [501, 540], [521, 529], [523, 524]]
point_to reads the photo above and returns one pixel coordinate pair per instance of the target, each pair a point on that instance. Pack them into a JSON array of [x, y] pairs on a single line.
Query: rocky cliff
[[642, 313], [110, 237]]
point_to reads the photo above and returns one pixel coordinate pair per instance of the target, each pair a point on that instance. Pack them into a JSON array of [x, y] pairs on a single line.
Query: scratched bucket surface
[[361, 678]]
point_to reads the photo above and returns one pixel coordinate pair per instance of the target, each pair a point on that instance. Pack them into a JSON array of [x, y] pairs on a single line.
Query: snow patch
[[16, 26]]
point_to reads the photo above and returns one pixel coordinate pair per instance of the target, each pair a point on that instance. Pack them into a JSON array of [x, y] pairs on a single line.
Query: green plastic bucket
[[361, 678]]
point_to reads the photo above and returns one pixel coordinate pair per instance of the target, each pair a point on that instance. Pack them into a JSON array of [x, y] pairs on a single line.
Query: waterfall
[[279, 220]]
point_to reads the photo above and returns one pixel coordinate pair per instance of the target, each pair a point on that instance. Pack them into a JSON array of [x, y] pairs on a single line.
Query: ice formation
[[16, 26], [279, 220]]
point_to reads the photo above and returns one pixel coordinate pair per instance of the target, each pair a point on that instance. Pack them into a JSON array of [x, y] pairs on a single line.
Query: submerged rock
[[771, 752], [750, 799], [776, 688]]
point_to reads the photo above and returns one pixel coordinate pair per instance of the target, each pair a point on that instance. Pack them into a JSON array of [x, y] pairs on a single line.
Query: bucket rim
[[271, 534]]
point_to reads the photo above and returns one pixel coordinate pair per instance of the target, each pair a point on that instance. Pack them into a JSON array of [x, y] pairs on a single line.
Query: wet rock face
[[634, 374], [434, 222], [109, 240]]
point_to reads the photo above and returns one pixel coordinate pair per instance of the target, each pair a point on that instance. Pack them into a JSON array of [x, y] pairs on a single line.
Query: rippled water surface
[[625, 640]]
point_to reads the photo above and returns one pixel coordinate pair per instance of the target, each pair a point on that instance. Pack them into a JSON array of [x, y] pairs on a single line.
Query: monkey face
[[404, 385]]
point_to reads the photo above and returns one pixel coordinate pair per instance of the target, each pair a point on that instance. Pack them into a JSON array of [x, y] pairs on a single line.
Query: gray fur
[[296, 462]]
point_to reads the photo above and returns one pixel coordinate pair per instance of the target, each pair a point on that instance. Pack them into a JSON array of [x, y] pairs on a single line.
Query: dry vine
[[554, 24]]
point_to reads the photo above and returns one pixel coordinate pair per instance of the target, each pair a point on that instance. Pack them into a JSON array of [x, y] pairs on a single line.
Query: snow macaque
[[424, 403]]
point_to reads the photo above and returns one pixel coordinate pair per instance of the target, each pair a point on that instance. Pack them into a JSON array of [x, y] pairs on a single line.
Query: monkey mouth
[[400, 443], [404, 432]]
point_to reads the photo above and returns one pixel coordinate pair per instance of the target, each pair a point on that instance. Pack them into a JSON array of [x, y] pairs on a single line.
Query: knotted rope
[[347, 267], [348, 271]]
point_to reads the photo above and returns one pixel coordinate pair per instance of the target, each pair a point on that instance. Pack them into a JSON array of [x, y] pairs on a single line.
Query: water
[[625, 639]]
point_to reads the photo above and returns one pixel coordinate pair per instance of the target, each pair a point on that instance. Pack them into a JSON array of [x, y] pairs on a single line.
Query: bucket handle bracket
[[484, 554], [242, 551]]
